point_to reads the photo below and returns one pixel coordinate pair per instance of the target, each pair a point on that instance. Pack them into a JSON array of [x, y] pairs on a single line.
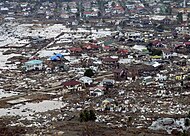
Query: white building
[[33, 65]]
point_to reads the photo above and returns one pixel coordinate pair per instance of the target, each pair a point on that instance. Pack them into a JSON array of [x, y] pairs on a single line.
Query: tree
[[179, 17], [101, 5], [87, 21], [99, 14], [188, 15], [188, 115], [113, 4], [87, 115], [82, 117], [68, 8], [129, 121], [123, 3], [187, 123], [89, 73], [92, 115], [184, 133], [169, 10], [160, 27], [149, 46], [155, 52]]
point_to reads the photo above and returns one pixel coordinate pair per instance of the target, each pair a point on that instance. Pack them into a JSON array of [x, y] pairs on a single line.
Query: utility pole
[[184, 3]]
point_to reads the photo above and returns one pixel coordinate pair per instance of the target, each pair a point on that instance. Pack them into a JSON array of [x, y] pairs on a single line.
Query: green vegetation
[[145, 51], [179, 17], [184, 133], [89, 73], [155, 52], [187, 123], [156, 57], [168, 10], [129, 121], [87, 115], [188, 115], [188, 15], [68, 8], [113, 4]]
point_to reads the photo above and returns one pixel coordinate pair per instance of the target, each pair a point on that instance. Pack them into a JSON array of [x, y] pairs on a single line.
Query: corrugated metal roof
[[33, 62]]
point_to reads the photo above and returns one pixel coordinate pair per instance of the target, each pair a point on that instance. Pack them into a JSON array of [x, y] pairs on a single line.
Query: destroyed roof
[[167, 50], [109, 59], [71, 83], [122, 51], [119, 70], [141, 66], [187, 43], [155, 42], [91, 46], [76, 49]]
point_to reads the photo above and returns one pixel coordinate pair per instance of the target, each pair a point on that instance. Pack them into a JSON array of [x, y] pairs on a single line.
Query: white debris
[[30, 109]]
